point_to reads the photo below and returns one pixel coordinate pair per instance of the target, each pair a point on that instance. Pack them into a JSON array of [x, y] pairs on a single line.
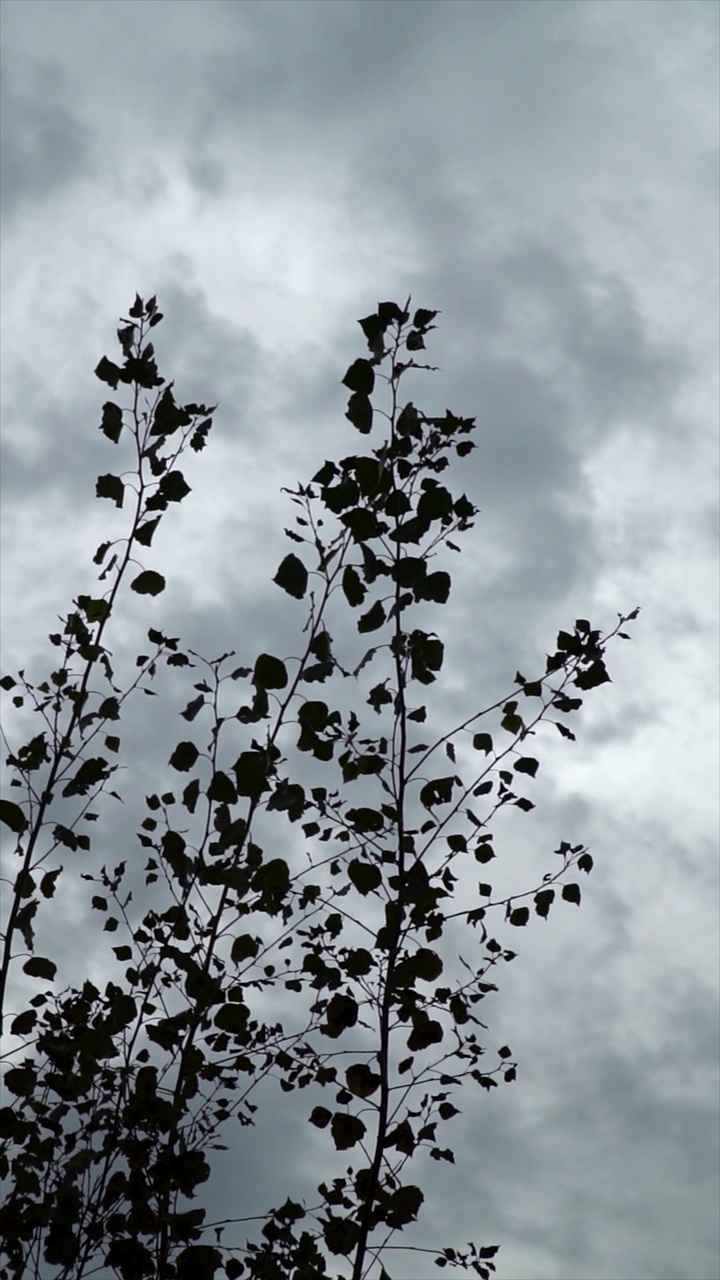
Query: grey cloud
[[477, 137], [43, 146]]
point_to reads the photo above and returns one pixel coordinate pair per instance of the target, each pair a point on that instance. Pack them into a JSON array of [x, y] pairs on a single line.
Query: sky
[[545, 174]]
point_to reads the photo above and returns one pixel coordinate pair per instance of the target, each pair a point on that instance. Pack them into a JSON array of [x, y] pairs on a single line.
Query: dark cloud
[[537, 172], [44, 147]]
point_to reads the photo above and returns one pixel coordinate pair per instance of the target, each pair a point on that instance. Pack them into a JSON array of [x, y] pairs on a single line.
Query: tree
[[118, 1096]]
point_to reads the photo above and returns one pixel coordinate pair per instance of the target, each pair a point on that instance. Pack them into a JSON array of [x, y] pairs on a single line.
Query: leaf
[[192, 708], [365, 819], [12, 815], [39, 967], [272, 882], [423, 318], [404, 1206], [94, 610], [270, 673], [426, 656], [191, 795], [108, 372], [363, 524], [173, 486], [346, 1130], [410, 571], [373, 619], [532, 689], [65, 836], [457, 843], [595, 675], [425, 1032], [232, 1017], [436, 587], [339, 497], [48, 882], [289, 798], [110, 486], [326, 474], [321, 646], [21, 1081], [424, 964], [352, 586], [437, 791], [23, 1024], [244, 948], [526, 764], [251, 774], [168, 415], [361, 1080], [112, 421], [544, 899], [91, 772], [360, 377], [571, 893], [341, 1235], [435, 502], [408, 423], [144, 532], [428, 964], [459, 1009], [292, 576], [198, 1261], [402, 1136], [320, 1117], [221, 789], [148, 583], [340, 1015], [33, 753], [563, 703], [379, 695], [397, 503], [358, 962], [184, 756], [412, 530], [519, 916], [360, 413], [364, 875]]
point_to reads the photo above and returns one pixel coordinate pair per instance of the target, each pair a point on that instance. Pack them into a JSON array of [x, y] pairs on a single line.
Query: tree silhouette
[[118, 1097]]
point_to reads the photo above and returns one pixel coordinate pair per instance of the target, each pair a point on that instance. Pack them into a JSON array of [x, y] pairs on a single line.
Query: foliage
[[119, 1096]]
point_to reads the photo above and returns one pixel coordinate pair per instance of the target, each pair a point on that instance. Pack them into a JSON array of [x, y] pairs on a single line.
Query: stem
[[396, 925], [78, 702]]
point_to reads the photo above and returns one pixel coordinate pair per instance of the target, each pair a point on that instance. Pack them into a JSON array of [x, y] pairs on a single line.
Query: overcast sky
[[545, 173]]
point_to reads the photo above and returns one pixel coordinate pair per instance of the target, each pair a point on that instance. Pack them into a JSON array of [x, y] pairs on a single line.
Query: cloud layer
[[546, 175]]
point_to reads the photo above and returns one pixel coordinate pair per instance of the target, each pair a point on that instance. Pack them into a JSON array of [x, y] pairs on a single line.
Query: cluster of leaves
[[120, 1095]]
